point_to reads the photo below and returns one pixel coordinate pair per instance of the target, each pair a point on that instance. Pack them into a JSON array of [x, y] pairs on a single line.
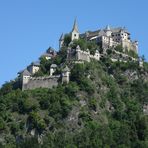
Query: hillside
[[93, 93], [101, 106]]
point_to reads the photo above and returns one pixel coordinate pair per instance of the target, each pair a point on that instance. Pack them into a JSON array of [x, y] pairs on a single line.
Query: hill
[[102, 103], [102, 106]]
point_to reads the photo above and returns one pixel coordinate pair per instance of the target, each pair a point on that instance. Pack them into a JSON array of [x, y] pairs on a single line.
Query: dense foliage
[[102, 106]]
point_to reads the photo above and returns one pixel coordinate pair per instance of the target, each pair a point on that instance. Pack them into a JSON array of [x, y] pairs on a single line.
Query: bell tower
[[75, 31]]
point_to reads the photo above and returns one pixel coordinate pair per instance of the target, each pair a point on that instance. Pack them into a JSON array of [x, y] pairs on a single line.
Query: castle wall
[[126, 44], [41, 82], [25, 79], [82, 55], [134, 47], [71, 54], [130, 46]]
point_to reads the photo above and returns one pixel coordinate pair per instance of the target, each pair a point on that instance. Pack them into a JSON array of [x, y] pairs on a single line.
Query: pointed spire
[[75, 27], [26, 73], [107, 27], [61, 37]]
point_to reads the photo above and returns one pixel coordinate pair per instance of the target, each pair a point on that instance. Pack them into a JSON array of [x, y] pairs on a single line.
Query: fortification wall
[[130, 46], [83, 55], [134, 47], [80, 55], [41, 82]]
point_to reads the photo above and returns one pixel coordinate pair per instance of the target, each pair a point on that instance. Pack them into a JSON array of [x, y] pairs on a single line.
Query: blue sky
[[29, 27]]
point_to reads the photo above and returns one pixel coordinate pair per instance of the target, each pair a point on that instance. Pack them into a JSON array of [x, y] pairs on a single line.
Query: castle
[[106, 38], [79, 55], [111, 37], [27, 80], [76, 54]]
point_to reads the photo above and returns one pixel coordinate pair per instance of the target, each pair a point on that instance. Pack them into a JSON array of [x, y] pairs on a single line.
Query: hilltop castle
[[106, 38], [27, 80]]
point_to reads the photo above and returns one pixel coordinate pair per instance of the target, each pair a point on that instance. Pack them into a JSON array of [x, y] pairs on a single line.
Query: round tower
[[65, 75], [108, 30]]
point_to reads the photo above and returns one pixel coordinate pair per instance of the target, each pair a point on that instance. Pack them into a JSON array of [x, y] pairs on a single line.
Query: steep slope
[[102, 106]]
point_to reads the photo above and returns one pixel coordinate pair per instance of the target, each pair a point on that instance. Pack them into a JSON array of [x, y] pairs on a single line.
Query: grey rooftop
[[36, 63], [24, 72], [102, 31], [61, 37]]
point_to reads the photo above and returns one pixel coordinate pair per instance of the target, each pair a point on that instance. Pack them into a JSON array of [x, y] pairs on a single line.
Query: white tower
[[75, 32], [108, 30], [78, 50], [65, 75], [53, 68], [25, 76]]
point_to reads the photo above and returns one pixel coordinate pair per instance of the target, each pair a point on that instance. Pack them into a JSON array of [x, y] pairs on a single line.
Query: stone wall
[[80, 55], [122, 57], [41, 82], [83, 55]]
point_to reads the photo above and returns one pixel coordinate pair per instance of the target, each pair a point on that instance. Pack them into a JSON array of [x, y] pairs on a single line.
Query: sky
[[29, 27]]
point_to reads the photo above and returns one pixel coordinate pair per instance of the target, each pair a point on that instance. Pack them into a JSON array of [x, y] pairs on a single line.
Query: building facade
[[79, 55], [111, 37], [106, 38]]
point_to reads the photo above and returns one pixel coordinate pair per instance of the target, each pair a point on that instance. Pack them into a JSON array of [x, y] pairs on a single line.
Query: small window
[[75, 35]]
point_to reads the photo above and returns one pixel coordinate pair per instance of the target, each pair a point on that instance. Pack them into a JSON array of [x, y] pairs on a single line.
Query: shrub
[[35, 121], [71, 89], [2, 124]]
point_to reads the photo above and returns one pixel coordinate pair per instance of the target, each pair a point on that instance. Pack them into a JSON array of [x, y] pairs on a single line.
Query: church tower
[[75, 32]]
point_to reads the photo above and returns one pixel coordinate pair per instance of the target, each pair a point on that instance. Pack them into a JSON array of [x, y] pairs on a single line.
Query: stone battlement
[[44, 77], [40, 82], [80, 55], [50, 81]]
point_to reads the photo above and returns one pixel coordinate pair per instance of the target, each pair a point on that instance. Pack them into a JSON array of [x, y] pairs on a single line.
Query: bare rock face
[[131, 75], [72, 119]]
